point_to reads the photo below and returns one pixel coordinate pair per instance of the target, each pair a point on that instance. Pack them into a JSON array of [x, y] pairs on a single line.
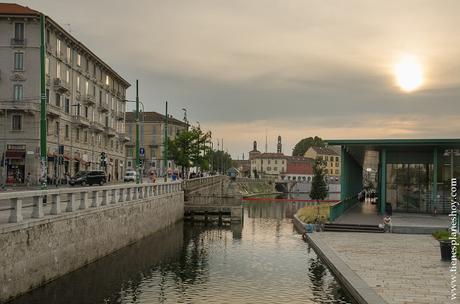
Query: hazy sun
[[408, 72]]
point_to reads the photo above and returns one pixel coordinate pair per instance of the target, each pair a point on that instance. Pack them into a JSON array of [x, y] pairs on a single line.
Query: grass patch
[[313, 214]]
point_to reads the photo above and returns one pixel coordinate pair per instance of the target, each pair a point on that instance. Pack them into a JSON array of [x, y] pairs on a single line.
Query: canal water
[[262, 260]]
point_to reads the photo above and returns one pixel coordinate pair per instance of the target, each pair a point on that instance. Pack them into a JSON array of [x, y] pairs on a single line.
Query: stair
[[352, 228]]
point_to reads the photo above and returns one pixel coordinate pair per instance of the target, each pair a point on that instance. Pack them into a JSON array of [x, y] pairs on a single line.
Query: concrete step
[[352, 228]]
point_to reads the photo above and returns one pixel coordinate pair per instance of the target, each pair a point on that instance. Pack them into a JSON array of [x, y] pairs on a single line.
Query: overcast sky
[[244, 68]]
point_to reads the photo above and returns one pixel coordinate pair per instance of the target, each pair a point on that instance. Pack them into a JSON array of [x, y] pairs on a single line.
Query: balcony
[[61, 85], [120, 116], [124, 138], [53, 111], [97, 126], [16, 42], [89, 100], [110, 131], [20, 106], [81, 121], [103, 107]]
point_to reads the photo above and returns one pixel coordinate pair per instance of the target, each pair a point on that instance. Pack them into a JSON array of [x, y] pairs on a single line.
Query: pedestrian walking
[[28, 179]]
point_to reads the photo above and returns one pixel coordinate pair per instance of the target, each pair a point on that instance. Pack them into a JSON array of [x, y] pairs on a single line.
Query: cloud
[[300, 68]]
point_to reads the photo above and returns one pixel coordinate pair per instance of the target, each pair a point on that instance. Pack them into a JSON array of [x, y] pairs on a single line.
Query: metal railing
[[78, 199], [340, 207]]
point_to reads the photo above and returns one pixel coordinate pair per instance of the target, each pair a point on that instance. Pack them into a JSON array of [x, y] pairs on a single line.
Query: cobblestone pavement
[[402, 268]]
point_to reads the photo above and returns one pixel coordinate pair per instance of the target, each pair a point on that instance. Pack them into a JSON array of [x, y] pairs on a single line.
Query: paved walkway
[[366, 213], [401, 268]]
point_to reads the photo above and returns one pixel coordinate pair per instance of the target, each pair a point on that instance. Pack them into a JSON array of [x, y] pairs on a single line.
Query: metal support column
[[383, 180], [434, 191]]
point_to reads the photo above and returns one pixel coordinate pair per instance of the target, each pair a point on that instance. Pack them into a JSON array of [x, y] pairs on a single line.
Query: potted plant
[[445, 244]]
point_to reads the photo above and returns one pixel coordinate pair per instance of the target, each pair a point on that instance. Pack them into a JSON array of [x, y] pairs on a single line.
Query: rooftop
[[16, 9], [153, 117], [324, 150]]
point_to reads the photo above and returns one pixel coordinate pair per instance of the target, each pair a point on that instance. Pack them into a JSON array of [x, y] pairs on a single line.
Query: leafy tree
[[302, 146], [319, 190], [190, 148], [220, 161]]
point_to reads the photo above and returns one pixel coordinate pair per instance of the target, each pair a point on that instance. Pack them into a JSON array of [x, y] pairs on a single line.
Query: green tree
[[190, 148], [302, 146], [220, 161], [319, 190]]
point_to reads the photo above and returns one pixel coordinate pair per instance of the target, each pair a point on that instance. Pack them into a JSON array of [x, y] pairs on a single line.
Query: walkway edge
[[356, 287]]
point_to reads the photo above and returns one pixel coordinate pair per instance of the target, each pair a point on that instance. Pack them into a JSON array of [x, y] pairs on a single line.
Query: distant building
[[151, 135], [268, 164], [254, 151], [279, 146], [85, 101], [330, 156], [299, 168]]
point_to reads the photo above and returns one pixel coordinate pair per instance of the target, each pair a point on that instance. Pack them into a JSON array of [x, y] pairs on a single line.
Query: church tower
[[279, 146]]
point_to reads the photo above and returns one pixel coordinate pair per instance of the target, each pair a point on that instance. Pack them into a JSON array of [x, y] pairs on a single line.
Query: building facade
[[299, 169], [330, 157], [85, 101], [151, 135], [268, 164]]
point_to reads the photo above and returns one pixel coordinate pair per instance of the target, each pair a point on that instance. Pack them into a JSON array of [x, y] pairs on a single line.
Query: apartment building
[[151, 136], [330, 157], [268, 164], [85, 101]]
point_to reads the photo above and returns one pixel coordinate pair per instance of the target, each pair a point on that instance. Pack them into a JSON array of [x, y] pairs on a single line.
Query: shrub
[[444, 235]]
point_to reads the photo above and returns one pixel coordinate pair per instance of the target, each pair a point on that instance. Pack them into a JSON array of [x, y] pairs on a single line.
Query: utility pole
[[43, 152], [138, 159], [165, 150]]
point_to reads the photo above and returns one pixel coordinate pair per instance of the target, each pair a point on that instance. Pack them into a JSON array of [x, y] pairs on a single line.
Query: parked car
[[130, 176], [89, 178]]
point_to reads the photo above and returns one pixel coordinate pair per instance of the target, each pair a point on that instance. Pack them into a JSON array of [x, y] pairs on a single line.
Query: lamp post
[[43, 152], [165, 143], [138, 159]]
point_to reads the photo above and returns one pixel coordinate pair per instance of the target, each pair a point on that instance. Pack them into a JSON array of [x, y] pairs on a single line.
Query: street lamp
[[138, 159]]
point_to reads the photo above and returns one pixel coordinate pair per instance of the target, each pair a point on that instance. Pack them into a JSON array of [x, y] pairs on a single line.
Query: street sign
[[141, 151]]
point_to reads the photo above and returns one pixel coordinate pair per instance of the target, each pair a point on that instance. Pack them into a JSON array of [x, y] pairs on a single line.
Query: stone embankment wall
[[250, 186], [38, 252]]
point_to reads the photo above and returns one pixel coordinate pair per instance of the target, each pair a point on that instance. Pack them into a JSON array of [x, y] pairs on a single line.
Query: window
[[87, 65], [58, 70], [47, 92], [107, 99], [16, 123], [68, 54], [275, 168], [336, 171], [18, 61], [337, 158], [100, 97], [94, 70], [67, 105], [94, 91], [77, 134], [48, 34], [67, 76], [57, 128], [19, 31], [86, 112], [58, 99], [107, 80], [86, 87], [66, 131], [78, 83], [47, 66], [58, 47], [18, 92], [276, 162], [86, 136], [78, 60]]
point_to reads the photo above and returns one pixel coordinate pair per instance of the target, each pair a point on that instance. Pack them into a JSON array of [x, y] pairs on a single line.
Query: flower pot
[[446, 249]]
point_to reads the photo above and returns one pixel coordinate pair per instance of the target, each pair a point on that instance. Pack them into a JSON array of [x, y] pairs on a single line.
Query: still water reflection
[[262, 260]]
